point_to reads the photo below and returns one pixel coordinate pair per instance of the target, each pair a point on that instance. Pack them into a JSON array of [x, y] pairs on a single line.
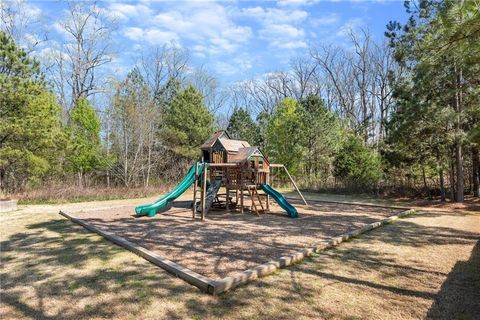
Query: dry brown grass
[[56, 194], [422, 266]]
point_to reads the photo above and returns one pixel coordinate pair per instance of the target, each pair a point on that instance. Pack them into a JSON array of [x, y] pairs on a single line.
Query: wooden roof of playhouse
[[237, 150]]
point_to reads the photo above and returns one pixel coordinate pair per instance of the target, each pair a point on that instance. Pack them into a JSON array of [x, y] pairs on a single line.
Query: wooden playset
[[242, 169]]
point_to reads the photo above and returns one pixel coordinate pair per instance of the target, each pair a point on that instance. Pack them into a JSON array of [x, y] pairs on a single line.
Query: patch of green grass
[[74, 286]]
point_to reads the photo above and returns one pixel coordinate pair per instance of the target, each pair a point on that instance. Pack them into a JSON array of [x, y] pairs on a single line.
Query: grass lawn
[[426, 265]]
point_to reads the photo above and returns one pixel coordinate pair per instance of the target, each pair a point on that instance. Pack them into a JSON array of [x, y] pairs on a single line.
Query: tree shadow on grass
[[414, 278], [57, 270], [459, 296], [44, 277]]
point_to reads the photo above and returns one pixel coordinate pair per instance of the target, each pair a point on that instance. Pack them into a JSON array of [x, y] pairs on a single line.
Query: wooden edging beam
[[352, 203], [219, 286], [262, 270], [203, 283]]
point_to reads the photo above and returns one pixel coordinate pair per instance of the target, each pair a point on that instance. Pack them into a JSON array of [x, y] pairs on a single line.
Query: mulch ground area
[[226, 243]]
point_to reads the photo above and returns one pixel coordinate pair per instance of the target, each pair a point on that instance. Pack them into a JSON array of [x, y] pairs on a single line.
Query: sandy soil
[[226, 243]]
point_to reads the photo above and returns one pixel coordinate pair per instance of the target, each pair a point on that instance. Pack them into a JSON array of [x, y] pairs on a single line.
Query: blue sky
[[233, 39]]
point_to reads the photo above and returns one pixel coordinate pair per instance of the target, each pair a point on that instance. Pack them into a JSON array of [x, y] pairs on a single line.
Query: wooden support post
[[268, 202], [204, 189], [227, 200], [241, 199], [236, 198], [295, 185], [194, 207]]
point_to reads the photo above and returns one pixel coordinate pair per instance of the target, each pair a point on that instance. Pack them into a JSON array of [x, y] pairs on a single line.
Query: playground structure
[[242, 169], [231, 250]]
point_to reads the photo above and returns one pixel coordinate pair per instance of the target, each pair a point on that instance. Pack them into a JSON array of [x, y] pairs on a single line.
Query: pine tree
[[30, 122], [321, 138], [438, 97], [284, 135], [241, 126], [187, 123], [356, 164], [84, 150]]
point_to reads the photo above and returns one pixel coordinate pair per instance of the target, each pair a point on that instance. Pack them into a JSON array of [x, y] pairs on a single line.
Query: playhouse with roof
[[241, 169]]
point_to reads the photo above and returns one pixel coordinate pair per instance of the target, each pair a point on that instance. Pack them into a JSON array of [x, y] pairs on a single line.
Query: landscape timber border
[[218, 286], [354, 203]]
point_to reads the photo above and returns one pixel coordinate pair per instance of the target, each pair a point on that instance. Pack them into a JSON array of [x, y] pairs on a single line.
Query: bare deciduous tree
[[358, 83], [87, 48], [162, 64], [23, 23]]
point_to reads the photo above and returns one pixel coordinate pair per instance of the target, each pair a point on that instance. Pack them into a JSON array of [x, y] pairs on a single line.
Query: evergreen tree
[[438, 98], [30, 122], [241, 126], [263, 119], [284, 134], [320, 137], [187, 123], [356, 164], [84, 154]]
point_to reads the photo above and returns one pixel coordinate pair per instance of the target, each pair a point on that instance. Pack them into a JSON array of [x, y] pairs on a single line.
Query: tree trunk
[[458, 142], [425, 187], [476, 171], [452, 180], [80, 184], [149, 157], [441, 180], [442, 185], [459, 171], [2, 178]]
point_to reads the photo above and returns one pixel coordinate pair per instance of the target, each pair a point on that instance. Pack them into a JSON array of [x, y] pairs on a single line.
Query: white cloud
[[153, 36], [57, 27], [280, 27], [326, 20], [126, 11], [208, 25], [31, 11], [284, 3], [133, 33], [275, 15], [225, 68], [282, 30], [351, 25], [237, 65]]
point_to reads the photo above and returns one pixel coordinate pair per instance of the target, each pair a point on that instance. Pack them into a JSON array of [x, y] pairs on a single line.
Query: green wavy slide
[[277, 196], [163, 201]]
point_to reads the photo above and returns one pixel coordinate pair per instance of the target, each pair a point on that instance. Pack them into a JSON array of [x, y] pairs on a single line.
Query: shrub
[[357, 164]]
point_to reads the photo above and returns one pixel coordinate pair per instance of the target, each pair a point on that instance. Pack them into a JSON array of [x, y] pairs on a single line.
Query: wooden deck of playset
[[228, 249]]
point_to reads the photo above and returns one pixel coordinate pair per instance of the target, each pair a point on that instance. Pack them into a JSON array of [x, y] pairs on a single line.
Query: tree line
[[400, 115]]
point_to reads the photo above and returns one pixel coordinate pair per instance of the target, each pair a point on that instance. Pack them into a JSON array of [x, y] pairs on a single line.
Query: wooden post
[[204, 189], [295, 185], [241, 199], [227, 201], [194, 208], [268, 202], [236, 198]]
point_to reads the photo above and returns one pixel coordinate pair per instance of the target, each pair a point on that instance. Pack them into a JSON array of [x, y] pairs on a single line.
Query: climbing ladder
[[257, 204]]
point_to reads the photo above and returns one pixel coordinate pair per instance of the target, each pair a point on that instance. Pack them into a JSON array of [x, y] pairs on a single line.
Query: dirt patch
[[226, 243]]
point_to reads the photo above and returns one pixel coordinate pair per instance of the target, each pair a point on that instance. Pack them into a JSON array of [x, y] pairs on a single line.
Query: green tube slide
[[277, 196], [163, 201]]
